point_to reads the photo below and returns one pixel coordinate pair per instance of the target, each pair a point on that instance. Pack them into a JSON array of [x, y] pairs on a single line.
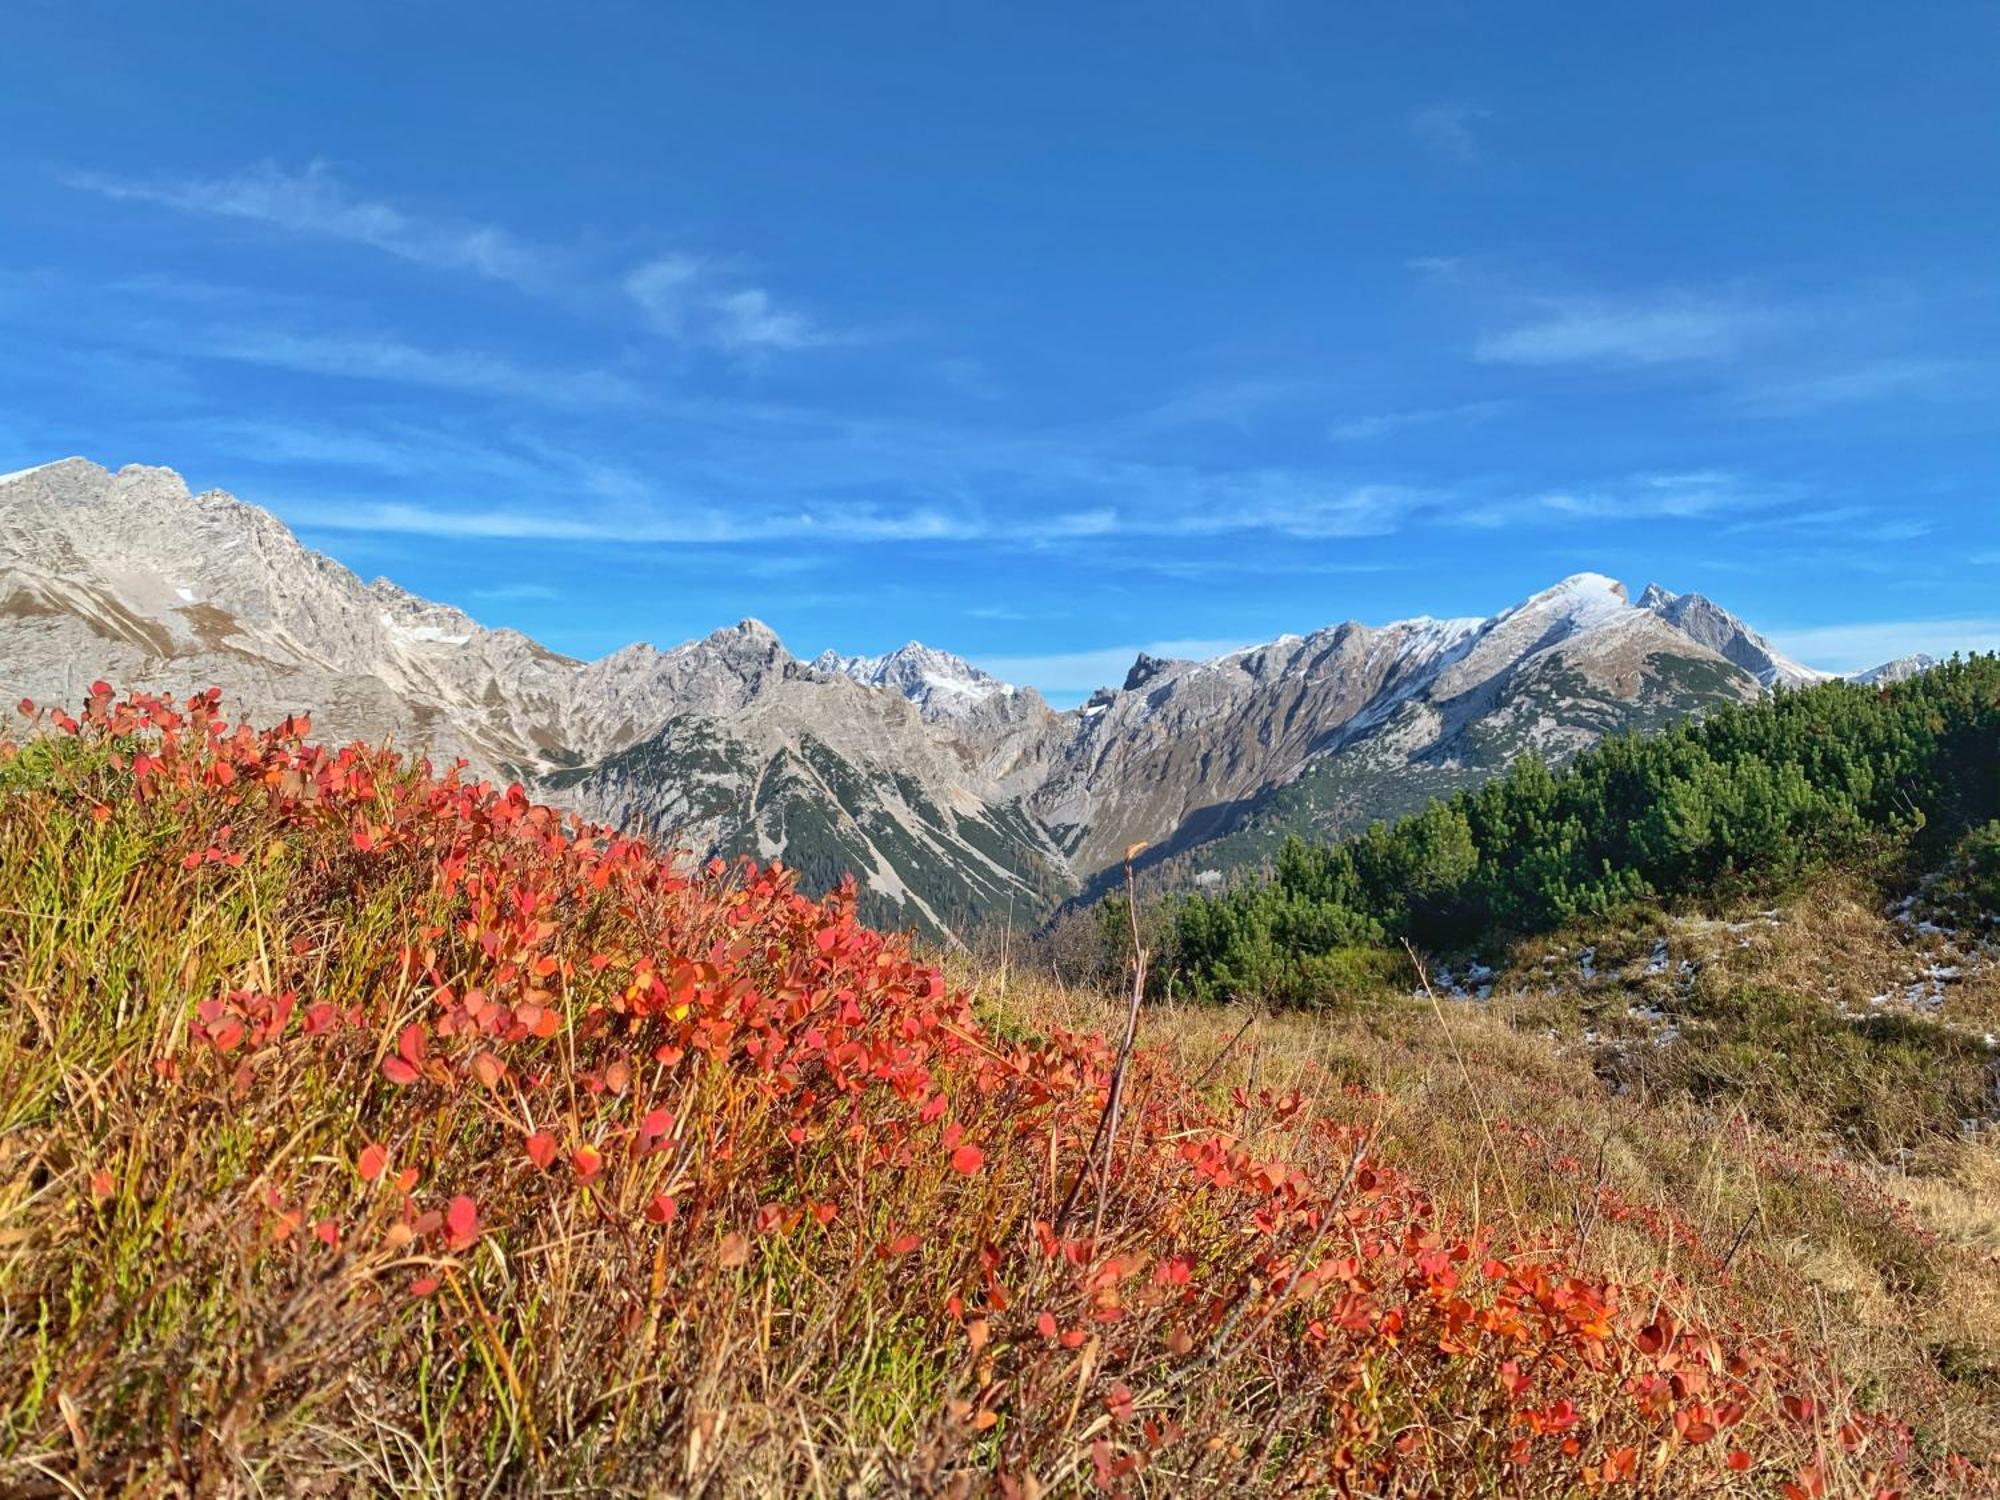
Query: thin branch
[[1107, 1122]]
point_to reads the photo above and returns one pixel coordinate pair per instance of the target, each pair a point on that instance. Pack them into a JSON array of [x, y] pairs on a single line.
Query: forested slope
[[1744, 799]]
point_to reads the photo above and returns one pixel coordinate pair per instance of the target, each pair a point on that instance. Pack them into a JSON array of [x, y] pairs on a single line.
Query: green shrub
[[1745, 801]]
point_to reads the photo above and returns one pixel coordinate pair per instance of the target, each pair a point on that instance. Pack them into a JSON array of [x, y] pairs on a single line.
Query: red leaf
[[461, 1222], [541, 1149], [398, 1071], [661, 1210], [411, 1043], [967, 1159], [374, 1161]]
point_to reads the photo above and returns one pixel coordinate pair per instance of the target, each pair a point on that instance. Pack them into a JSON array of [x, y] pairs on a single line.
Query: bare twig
[[1107, 1122], [1216, 1061]]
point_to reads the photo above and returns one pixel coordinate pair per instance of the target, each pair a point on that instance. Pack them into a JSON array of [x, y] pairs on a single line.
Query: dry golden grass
[[1895, 1271]]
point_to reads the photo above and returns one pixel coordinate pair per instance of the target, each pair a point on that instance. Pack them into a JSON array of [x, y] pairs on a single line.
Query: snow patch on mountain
[[942, 686], [1899, 670]]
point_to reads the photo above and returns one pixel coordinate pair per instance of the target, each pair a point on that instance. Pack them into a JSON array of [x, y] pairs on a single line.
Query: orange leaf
[[374, 1161]]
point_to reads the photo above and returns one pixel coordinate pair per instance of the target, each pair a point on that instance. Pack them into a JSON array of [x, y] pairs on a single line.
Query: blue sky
[[1039, 332]]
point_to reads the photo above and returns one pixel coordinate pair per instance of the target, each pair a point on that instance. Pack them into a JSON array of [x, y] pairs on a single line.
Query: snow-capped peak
[[1900, 670], [942, 686], [1582, 599], [37, 468]]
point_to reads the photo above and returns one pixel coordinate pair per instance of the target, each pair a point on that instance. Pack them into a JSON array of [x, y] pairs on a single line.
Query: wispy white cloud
[[316, 203], [666, 524], [1383, 424], [1863, 644], [1674, 328], [1851, 524], [667, 521], [1227, 403], [393, 360], [747, 318], [692, 300], [1446, 130], [1876, 380], [1701, 492], [1684, 495]]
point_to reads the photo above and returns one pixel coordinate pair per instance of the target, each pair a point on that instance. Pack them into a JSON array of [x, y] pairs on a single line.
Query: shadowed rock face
[[951, 795]]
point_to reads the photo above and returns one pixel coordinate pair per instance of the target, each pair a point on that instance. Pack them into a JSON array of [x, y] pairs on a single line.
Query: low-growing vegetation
[[369, 1130]]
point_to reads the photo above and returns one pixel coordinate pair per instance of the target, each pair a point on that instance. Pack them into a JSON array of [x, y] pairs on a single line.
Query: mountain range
[[952, 796]]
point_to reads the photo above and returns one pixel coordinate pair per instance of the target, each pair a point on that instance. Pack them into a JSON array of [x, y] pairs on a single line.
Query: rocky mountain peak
[[1145, 669], [943, 686], [1581, 599], [1702, 619], [1899, 670]]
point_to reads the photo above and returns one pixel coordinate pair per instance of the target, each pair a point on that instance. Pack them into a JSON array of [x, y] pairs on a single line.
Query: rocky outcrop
[[1703, 620]]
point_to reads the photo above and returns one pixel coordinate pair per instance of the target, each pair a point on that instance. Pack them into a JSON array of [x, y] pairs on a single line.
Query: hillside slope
[[386, 1134]]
